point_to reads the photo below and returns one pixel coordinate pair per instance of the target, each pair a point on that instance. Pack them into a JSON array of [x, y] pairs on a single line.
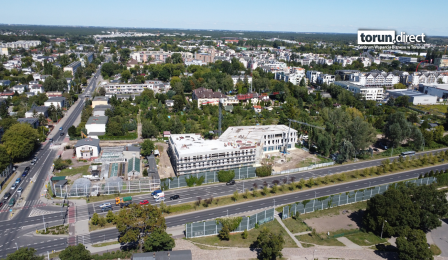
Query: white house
[[20, 88], [36, 89], [39, 110], [55, 101], [312, 75], [96, 125], [325, 79], [88, 148], [169, 103]]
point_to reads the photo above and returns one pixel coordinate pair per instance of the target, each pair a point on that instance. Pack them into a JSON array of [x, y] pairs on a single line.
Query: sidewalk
[[287, 231]]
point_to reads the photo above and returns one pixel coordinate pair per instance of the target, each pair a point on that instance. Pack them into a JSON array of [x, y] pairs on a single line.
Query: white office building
[[238, 146], [369, 93]]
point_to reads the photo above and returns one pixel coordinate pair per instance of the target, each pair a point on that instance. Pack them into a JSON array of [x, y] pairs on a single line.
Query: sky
[[343, 16]]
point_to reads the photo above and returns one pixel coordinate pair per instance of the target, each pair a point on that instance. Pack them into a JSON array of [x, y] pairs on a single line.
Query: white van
[[159, 195]]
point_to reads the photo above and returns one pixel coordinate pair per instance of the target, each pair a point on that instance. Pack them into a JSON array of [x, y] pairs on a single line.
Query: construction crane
[[289, 129]]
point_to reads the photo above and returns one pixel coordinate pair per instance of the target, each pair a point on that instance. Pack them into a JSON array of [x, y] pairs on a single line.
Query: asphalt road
[[241, 208], [39, 172]]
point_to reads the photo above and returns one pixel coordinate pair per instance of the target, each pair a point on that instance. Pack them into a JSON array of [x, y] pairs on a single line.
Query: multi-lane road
[[34, 182]]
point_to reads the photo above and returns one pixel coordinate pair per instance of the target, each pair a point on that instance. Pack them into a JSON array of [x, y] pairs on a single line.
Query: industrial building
[[238, 146], [438, 90], [415, 97]]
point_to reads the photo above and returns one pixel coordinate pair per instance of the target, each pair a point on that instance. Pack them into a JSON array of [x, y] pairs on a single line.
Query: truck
[[123, 200], [159, 195], [155, 192]]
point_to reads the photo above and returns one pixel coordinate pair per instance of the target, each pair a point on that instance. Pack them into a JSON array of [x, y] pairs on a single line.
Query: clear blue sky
[[343, 16]]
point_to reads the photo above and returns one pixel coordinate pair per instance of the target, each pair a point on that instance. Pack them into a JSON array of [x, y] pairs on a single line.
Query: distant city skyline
[[290, 16]]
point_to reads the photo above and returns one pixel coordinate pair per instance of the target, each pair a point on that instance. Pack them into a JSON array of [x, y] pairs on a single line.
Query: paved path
[[348, 243], [287, 231], [440, 238]]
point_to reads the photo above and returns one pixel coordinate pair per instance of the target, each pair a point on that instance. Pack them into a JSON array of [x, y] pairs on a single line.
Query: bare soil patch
[[345, 220]]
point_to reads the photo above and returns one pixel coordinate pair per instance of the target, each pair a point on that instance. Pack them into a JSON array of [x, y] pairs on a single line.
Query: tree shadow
[[357, 217], [445, 220], [386, 251]]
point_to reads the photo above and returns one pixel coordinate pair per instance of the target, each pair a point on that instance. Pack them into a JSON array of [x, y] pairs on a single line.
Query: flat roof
[[97, 120], [438, 86], [409, 93]]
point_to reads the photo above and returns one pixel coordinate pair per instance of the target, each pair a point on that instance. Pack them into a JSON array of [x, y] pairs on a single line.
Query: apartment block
[[238, 146]]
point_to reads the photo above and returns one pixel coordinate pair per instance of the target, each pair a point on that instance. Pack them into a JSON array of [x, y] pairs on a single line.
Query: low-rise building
[[368, 93], [96, 125], [41, 110], [32, 121], [20, 88], [415, 97], [55, 101], [437, 90], [207, 96], [100, 100], [88, 148], [72, 67], [100, 110]]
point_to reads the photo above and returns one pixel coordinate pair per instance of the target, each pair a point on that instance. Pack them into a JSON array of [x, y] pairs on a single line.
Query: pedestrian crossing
[[25, 205], [40, 212]]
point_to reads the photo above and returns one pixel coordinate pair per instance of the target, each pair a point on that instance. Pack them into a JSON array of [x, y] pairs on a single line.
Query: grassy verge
[[7, 182], [106, 244], [363, 238], [319, 239], [55, 230], [296, 226], [128, 136], [98, 227], [237, 241], [73, 171], [435, 249], [333, 211]]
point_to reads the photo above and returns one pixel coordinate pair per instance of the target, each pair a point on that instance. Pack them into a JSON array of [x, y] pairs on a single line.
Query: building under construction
[[238, 146]]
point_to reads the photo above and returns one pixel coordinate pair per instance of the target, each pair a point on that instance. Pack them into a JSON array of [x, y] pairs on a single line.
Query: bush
[[224, 233], [60, 164], [264, 171], [244, 235], [94, 219], [226, 176]]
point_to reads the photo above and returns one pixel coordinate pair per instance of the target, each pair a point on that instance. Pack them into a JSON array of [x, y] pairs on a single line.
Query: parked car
[[174, 197], [18, 180], [33, 163], [19, 190], [24, 174], [144, 202], [7, 195], [232, 182], [107, 204], [14, 186], [27, 168]]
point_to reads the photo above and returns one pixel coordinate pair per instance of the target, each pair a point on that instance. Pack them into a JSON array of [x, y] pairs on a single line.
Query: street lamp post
[[274, 203], [17, 248], [382, 228]]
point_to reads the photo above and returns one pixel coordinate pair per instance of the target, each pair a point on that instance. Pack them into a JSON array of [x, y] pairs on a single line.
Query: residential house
[[100, 100], [96, 125], [20, 88], [312, 75], [169, 103], [36, 89], [5, 82], [55, 101], [40, 110], [325, 79], [72, 67], [88, 148], [257, 109], [32, 121], [207, 96]]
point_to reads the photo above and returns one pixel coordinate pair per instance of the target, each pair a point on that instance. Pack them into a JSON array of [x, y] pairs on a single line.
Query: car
[[24, 174], [155, 192], [106, 204], [160, 199], [18, 180], [144, 202], [158, 195], [60, 128], [13, 187], [7, 195], [174, 197], [125, 205], [107, 208], [51, 140], [61, 134], [1, 204], [32, 162], [232, 182], [35, 158], [19, 190], [27, 168]]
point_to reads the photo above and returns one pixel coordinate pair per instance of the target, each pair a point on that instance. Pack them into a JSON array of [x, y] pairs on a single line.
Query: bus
[[408, 153]]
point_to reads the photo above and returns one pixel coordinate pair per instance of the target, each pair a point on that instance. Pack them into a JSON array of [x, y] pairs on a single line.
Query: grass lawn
[[439, 109], [315, 239], [98, 227], [364, 239], [296, 226], [7, 182], [332, 211], [73, 171], [435, 250], [127, 136], [237, 241], [106, 244]]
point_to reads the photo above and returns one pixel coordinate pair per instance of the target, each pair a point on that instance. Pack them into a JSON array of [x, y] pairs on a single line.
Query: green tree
[[125, 75], [24, 253], [114, 128], [20, 140], [179, 103], [110, 217], [139, 221], [94, 219], [145, 172], [399, 86], [226, 176], [397, 128], [72, 131], [413, 246], [149, 130], [224, 233], [78, 252], [5, 160], [147, 147], [158, 240], [270, 245]]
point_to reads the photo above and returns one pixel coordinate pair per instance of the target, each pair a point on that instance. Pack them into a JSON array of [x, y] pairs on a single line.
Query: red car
[[144, 202]]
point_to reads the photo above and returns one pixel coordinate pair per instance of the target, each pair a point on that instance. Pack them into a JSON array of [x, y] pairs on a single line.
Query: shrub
[[264, 171], [224, 233], [244, 235], [94, 219], [226, 176]]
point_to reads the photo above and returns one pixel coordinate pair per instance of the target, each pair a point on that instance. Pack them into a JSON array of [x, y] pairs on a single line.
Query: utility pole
[[43, 220]]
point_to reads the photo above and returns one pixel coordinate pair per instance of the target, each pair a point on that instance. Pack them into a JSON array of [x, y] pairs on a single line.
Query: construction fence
[[110, 187], [212, 227], [311, 167], [209, 177], [312, 205]]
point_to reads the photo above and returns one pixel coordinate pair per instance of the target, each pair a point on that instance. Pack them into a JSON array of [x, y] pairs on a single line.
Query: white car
[[160, 199], [107, 204]]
